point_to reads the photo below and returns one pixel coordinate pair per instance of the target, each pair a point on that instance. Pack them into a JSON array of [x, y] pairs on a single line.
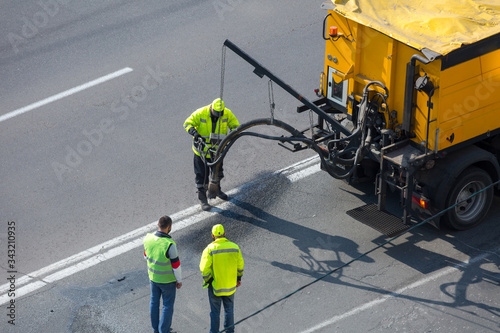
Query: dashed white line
[[65, 94]]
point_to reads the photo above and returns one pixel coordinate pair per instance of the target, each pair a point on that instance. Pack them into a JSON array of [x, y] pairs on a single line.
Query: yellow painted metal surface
[[466, 103], [470, 99], [366, 55]]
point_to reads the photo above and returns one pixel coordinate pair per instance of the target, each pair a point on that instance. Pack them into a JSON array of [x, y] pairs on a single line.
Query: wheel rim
[[469, 209]]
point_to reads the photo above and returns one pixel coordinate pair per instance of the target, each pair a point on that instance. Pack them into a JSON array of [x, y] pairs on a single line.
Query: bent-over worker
[[214, 118]]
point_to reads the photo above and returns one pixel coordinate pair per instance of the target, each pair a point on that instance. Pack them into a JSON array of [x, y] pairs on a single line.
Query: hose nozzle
[[213, 189]]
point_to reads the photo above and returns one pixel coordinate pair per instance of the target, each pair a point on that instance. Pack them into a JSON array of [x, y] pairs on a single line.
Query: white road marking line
[[133, 239], [398, 292], [65, 94], [304, 173]]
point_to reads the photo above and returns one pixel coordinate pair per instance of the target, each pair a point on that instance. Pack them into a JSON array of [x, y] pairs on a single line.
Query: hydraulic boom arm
[[261, 71]]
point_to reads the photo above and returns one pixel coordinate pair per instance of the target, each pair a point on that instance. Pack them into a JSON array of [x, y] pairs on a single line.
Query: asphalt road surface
[[94, 95]]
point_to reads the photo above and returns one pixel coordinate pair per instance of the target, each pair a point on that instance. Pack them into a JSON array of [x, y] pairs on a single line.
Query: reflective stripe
[[224, 290], [224, 120], [205, 277], [203, 121], [158, 263], [187, 125], [160, 272], [224, 251], [240, 271]]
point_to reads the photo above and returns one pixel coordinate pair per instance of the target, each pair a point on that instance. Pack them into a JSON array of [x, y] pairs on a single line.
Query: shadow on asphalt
[[408, 252]]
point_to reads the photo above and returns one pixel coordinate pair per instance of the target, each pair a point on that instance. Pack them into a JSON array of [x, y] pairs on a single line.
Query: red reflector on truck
[[419, 201]]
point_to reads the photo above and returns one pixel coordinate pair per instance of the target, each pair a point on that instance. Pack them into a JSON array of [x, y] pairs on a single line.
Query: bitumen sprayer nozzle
[[213, 189]]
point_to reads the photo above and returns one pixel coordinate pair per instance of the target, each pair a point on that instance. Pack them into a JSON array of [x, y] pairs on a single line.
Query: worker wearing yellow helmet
[[208, 125], [221, 266]]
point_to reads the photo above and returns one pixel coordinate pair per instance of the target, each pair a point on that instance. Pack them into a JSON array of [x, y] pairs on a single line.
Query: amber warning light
[[333, 31]]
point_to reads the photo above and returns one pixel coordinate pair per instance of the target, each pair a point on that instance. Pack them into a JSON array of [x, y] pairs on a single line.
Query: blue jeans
[[167, 292], [215, 304]]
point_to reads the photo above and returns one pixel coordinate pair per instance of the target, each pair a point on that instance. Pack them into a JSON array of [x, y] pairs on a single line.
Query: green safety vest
[[159, 266], [222, 264], [202, 122]]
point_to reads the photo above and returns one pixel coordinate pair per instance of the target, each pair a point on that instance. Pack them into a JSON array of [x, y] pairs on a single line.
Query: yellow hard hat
[[218, 230], [218, 107]]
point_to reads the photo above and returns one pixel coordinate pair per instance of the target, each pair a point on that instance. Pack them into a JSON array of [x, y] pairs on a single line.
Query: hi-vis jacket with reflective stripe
[[159, 267], [202, 122], [222, 265]]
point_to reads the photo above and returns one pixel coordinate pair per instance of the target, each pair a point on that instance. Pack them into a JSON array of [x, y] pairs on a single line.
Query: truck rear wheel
[[472, 211]]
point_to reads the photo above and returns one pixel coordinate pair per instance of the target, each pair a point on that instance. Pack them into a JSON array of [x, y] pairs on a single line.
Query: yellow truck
[[409, 98], [433, 75]]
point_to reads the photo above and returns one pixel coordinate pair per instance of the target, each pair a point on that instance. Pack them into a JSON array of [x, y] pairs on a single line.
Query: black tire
[[471, 212]]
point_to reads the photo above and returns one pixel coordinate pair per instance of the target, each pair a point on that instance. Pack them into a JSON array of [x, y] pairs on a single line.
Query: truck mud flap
[[384, 222]]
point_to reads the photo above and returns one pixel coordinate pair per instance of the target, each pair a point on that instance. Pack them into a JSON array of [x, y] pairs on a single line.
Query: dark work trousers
[[201, 172]]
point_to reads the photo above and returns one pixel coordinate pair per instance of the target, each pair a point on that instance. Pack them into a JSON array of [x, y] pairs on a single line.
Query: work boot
[[222, 195], [202, 196]]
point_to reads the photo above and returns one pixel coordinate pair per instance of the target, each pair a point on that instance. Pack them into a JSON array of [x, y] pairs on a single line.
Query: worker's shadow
[[334, 250]]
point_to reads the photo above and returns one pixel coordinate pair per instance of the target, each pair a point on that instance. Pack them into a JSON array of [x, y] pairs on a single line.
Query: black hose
[[229, 140], [263, 136]]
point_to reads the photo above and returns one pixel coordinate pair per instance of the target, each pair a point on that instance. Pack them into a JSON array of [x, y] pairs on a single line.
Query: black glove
[[197, 136]]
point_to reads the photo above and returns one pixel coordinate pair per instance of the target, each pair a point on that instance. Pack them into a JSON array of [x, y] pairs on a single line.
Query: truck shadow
[[305, 238], [409, 251]]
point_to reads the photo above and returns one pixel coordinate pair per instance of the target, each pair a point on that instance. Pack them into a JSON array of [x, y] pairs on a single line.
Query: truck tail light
[[422, 202]]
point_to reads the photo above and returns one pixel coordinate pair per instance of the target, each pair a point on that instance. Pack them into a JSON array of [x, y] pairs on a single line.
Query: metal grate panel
[[384, 222]]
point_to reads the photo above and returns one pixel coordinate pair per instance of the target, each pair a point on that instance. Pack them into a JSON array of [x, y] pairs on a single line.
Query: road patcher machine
[[410, 99]]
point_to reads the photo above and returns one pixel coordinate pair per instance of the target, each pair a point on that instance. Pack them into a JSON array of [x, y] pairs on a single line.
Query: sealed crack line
[[133, 239]]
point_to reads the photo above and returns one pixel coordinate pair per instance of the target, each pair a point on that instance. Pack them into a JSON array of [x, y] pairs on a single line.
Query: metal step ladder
[[405, 156]]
